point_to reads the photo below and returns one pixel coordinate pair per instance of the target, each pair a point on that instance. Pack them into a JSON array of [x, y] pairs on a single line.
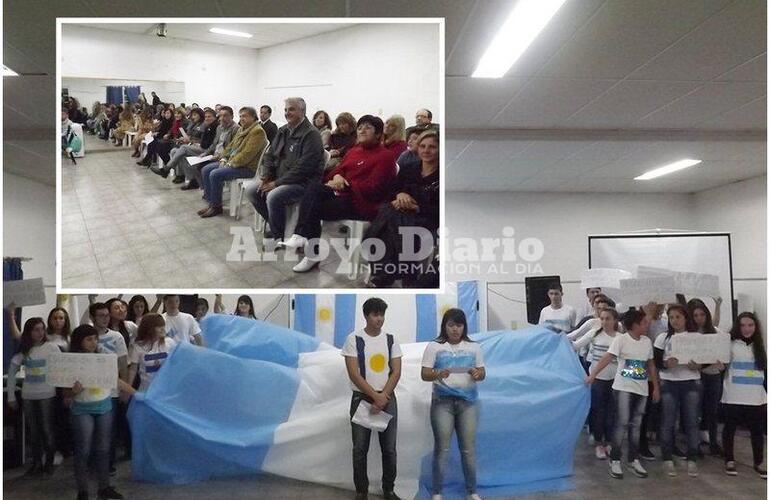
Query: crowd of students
[[639, 389], [88, 422], [365, 169]]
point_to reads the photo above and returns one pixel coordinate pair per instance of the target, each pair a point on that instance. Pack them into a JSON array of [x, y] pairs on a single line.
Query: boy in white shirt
[[180, 326], [373, 362], [557, 316]]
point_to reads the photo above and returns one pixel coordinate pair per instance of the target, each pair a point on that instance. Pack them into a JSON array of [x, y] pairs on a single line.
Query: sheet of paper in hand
[[374, 421], [91, 370], [701, 348]]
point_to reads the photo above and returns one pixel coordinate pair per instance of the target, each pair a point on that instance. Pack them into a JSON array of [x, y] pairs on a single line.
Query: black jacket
[[270, 129], [295, 158]]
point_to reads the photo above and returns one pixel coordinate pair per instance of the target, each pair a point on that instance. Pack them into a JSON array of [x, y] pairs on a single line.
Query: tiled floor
[[125, 227], [591, 481]]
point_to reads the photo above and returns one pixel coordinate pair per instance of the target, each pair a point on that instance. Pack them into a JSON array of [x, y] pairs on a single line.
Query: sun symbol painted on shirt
[[377, 363], [324, 314]]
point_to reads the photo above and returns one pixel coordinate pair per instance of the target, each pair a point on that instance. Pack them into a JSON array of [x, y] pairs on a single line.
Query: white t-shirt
[[181, 327], [113, 342], [561, 319], [35, 373], [376, 367], [585, 310], [599, 343], [59, 341], [458, 358], [150, 358], [680, 372], [631, 374], [132, 329], [743, 383]]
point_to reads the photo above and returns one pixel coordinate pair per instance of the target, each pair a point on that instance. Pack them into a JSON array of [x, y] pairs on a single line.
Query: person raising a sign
[[92, 416], [680, 388]]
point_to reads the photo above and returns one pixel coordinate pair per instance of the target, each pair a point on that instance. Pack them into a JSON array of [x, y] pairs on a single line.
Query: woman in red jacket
[[353, 190]]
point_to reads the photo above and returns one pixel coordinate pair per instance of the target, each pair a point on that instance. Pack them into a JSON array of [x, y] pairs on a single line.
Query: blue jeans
[[712, 394], [629, 409], [362, 437], [214, 178], [272, 207], [602, 410], [93, 433], [39, 416], [447, 414], [684, 395]]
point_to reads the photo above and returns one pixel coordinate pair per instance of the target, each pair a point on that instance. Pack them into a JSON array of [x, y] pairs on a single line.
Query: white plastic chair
[[235, 208], [356, 229]]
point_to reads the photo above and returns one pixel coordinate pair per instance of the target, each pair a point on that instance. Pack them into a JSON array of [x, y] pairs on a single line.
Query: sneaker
[[109, 493], [82, 495], [669, 467], [474, 496], [294, 242], [390, 495], [193, 184], [647, 455], [761, 471], [692, 468], [305, 265], [601, 454], [730, 468], [616, 470], [637, 469]]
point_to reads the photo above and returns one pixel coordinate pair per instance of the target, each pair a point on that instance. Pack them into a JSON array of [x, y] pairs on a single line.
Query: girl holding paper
[[711, 378], [680, 387], [37, 395], [92, 416], [454, 363], [744, 399]]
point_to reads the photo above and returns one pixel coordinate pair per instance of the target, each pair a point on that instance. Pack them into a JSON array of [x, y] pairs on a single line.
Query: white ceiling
[[608, 90], [263, 34]]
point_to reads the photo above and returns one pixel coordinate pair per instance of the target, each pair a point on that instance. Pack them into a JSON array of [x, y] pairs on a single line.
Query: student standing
[[557, 316], [602, 417], [454, 363], [150, 350], [180, 326], [744, 399], [92, 421], [680, 389], [37, 395], [373, 362], [634, 355]]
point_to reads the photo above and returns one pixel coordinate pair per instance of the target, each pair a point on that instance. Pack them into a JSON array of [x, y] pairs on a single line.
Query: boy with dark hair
[[373, 362], [557, 316]]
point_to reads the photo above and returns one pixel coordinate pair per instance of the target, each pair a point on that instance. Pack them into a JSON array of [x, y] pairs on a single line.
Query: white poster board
[[640, 291], [91, 370], [600, 277], [701, 348], [686, 283], [23, 292]]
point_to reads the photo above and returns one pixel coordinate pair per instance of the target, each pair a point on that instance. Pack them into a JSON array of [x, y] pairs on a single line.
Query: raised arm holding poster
[[701, 348], [91, 370]]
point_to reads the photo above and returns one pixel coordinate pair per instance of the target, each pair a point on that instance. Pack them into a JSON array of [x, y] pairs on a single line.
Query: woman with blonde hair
[[146, 125], [394, 137], [125, 124]]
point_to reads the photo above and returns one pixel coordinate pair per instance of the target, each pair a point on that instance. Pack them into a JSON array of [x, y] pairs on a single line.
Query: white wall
[[562, 223], [741, 209], [375, 69], [29, 214], [90, 90], [211, 73], [364, 69]]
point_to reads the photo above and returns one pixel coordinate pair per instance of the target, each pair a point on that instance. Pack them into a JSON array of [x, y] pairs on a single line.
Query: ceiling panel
[[706, 102], [753, 70], [475, 101], [626, 102], [624, 34], [546, 103], [733, 36], [750, 116]]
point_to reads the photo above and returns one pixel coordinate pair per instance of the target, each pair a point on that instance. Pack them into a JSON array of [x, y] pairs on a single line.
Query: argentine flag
[[263, 398], [410, 318]]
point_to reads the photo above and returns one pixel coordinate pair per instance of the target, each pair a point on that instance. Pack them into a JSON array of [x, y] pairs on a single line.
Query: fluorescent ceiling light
[[8, 71], [667, 169], [221, 31], [526, 21]]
